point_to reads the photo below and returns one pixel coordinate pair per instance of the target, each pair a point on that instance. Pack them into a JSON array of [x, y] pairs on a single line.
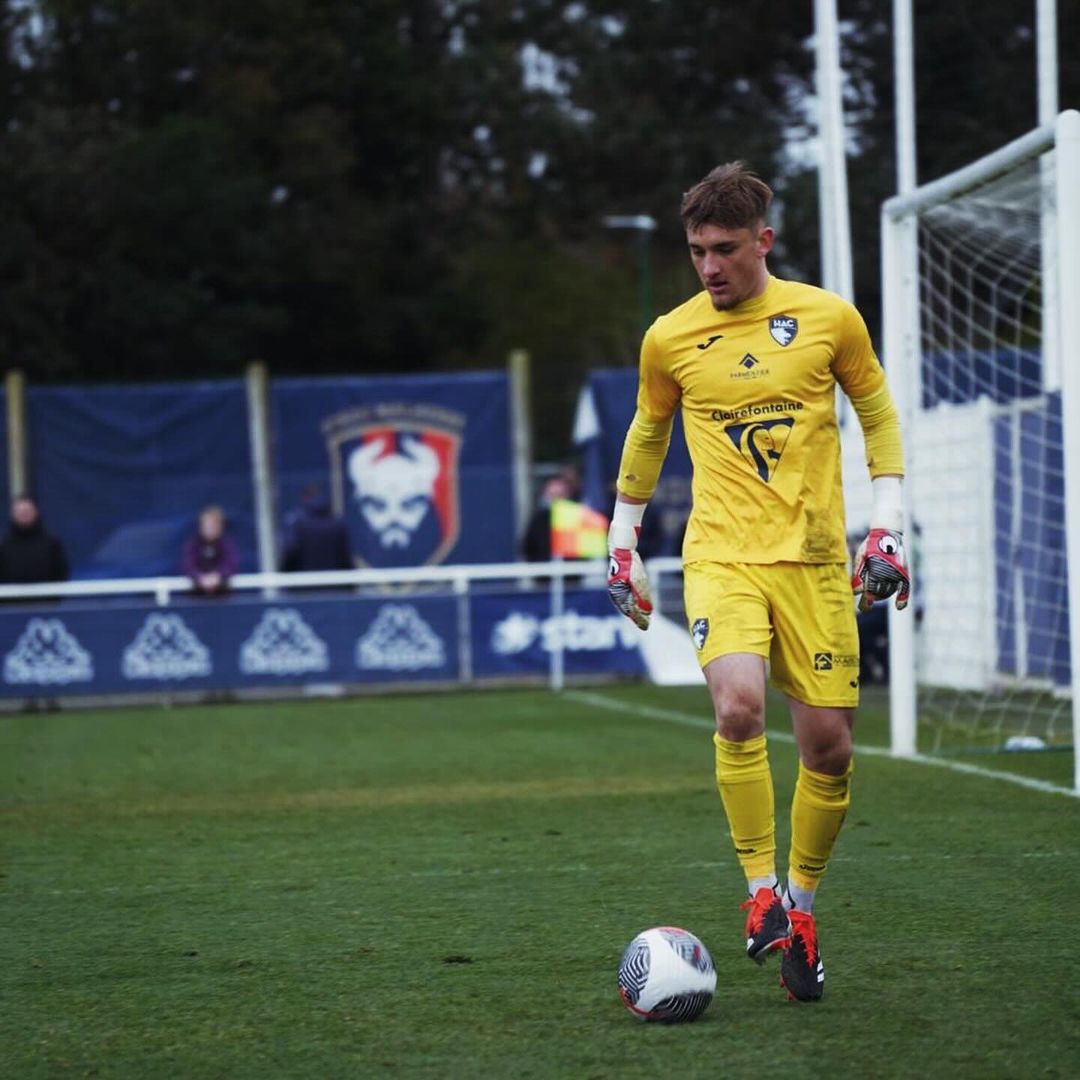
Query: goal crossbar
[[978, 172]]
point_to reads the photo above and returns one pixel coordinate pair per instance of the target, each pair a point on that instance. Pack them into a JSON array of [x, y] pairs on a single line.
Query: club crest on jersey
[[700, 633], [394, 478], [783, 329], [762, 443]]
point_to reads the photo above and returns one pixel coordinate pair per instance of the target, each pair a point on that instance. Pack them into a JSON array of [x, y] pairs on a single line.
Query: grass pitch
[[441, 886]]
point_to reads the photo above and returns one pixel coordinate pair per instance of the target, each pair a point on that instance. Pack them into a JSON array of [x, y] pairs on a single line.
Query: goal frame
[[902, 353]]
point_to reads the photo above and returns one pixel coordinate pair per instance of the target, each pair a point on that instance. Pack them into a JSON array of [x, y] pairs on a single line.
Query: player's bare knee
[[828, 751], [739, 717]]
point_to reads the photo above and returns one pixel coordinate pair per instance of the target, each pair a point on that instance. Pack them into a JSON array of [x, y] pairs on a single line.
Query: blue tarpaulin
[[122, 471]]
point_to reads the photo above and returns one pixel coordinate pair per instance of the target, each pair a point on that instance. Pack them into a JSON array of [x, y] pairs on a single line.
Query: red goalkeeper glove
[[628, 586], [881, 569]]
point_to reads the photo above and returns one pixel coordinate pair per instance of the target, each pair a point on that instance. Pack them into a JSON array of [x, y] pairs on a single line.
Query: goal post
[[981, 282]]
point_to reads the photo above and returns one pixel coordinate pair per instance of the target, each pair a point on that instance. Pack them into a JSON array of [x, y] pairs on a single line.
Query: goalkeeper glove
[[881, 569], [628, 584]]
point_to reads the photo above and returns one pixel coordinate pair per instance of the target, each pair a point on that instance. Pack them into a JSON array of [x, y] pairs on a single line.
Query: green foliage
[[335, 186], [320, 184], [441, 886]]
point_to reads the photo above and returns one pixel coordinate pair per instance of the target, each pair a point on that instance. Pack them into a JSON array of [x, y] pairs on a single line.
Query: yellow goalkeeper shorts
[[799, 616]]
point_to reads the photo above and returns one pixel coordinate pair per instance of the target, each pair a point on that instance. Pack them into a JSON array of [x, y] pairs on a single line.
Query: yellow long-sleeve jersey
[[757, 389]]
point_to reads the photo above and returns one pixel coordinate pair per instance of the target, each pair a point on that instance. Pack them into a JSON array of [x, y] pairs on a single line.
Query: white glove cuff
[[888, 510], [625, 521]]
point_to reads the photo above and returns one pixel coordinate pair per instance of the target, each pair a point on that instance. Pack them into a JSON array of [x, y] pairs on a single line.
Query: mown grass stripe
[[672, 716], [473, 873], [376, 798]]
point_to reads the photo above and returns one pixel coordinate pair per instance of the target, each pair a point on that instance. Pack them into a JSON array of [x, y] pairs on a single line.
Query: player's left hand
[[628, 586], [880, 569]]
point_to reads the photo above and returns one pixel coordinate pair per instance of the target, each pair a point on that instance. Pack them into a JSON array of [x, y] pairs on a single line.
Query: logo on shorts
[[783, 329], [826, 661], [699, 632]]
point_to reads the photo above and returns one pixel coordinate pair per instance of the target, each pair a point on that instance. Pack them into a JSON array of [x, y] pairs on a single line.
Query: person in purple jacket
[[209, 556]]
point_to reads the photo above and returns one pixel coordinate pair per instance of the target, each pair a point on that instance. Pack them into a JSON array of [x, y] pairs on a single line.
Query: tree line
[[378, 186]]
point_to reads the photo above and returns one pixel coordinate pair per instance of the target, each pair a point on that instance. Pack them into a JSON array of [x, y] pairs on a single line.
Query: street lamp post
[[644, 225]]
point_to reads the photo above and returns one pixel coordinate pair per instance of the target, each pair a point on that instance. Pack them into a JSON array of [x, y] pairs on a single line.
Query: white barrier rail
[[163, 588]]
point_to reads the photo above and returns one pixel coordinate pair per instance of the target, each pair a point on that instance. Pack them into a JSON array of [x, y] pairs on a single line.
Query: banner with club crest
[[417, 466]]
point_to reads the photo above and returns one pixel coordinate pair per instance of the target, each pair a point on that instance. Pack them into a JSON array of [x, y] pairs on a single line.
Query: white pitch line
[[672, 716]]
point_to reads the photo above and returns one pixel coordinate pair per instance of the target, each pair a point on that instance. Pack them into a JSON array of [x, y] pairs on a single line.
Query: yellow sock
[[745, 784], [817, 812]]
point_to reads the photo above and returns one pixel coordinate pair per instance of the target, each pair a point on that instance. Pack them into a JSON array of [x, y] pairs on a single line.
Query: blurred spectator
[[536, 544], [315, 539], [209, 556], [28, 553]]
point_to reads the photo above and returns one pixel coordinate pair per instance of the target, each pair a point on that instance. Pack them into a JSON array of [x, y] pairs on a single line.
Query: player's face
[[731, 262]]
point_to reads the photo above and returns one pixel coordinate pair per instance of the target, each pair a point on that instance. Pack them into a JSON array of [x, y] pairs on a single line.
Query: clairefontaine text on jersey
[[757, 410]]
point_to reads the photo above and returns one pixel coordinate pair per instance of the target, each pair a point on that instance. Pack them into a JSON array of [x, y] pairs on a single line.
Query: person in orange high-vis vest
[[577, 531]]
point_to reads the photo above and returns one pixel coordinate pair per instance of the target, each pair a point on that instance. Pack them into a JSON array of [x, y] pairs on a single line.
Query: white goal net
[[982, 364]]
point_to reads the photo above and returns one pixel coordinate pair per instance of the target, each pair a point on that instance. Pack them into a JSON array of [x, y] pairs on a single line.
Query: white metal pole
[[557, 623], [258, 400], [15, 402], [836, 270], [464, 629], [1046, 44], [1047, 86], [897, 317], [521, 442], [900, 314], [1067, 158], [904, 89], [832, 174]]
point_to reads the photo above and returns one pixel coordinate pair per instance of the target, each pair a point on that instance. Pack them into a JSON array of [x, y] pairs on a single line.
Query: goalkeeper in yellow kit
[[753, 362]]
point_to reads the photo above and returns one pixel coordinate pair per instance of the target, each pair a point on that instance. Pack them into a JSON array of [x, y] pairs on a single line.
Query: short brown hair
[[731, 197]]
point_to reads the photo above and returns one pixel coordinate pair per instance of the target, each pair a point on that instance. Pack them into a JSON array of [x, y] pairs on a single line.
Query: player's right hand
[[628, 585]]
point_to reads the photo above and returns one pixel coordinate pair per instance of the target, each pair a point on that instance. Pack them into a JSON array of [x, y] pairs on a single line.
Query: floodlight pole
[[644, 225]]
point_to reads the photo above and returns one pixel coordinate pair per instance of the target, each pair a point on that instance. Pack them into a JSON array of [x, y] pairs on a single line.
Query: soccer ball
[[666, 974]]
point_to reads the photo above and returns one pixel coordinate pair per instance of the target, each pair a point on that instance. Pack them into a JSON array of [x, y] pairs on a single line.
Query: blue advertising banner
[[122, 471], [515, 633], [68, 649], [59, 650], [604, 413], [419, 467]]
